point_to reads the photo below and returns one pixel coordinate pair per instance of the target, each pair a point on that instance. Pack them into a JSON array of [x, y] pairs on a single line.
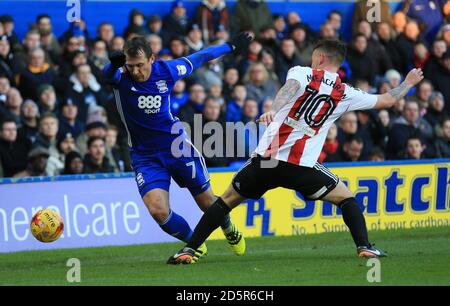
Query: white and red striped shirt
[[299, 129]]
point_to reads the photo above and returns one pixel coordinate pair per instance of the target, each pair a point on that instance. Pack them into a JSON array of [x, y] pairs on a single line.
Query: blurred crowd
[[58, 115]]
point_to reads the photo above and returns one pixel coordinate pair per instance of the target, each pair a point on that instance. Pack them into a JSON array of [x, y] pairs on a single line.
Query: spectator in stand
[[30, 120], [195, 104], [331, 144], [435, 113], [414, 148], [194, 38], [376, 155], [406, 126], [135, 23], [95, 160], [93, 129], [286, 59], [252, 15], [66, 144], [209, 16], [4, 88], [378, 53], [304, 47], [47, 138], [49, 42], [443, 142], [268, 39], [156, 44], [8, 28], [178, 47], [423, 93], [279, 25], [178, 97], [47, 99], [154, 26], [13, 149], [254, 49], [360, 60], [8, 63], [68, 122], [397, 111], [386, 38], [399, 23], [438, 49], [421, 55], [38, 72], [105, 32], [212, 114], [230, 79], [36, 163], [441, 79], [250, 111], [327, 31], [335, 19], [176, 23], [13, 105], [76, 29], [85, 91], [267, 58], [99, 55], [393, 77], [350, 151], [31, 41], [236, 104], [112, 149], [405, 45], [74, 163], [259, 86], [117, 43]]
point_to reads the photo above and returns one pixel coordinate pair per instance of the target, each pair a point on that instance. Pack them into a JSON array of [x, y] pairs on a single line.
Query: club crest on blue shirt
[[181, 70], [162, 86]]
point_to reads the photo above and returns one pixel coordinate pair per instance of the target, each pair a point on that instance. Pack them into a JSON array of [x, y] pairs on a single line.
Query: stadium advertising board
[[109, 211]]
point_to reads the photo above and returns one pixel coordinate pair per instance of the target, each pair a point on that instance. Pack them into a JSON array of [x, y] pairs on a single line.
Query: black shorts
[[259, 175]]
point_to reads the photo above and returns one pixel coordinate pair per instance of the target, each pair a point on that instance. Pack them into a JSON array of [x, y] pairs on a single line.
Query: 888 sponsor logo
[[151, 104]]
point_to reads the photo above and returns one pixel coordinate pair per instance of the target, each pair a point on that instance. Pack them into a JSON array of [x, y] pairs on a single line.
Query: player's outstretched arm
[[238, 43], [111, 71], [388, 99], [282, 98]]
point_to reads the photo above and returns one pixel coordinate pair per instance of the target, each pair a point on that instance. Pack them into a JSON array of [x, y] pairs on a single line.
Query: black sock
[[354, 219], [211, 220]]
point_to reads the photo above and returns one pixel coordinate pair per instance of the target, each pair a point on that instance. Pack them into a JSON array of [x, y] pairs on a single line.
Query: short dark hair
[[352, 138], [414, 137], [333, 12], [335, 50], [41, 16], [92, 139], [137, 45], [6, 120]]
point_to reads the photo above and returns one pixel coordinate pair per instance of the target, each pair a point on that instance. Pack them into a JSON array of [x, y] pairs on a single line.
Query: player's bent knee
[[231, 197], [158, 205], [159, 214]]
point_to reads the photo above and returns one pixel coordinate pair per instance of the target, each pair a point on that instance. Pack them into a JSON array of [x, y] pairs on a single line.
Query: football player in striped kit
[[304, 109]]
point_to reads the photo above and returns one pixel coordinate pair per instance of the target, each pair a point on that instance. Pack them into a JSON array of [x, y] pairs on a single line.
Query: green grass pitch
[[416, 257]]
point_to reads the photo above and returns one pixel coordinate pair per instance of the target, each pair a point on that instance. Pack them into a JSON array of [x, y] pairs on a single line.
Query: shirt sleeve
[[179, 68], [296, 73], [359, 100], [112, 76]]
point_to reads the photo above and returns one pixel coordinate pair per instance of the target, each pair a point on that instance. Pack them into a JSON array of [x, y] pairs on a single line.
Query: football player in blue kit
[[142, 87]]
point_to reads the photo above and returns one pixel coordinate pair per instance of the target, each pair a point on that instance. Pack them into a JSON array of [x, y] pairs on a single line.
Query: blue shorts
[[154, 170]]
